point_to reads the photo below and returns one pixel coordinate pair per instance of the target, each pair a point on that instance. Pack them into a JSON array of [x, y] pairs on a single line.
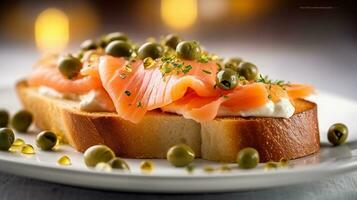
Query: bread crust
[[217, 140]]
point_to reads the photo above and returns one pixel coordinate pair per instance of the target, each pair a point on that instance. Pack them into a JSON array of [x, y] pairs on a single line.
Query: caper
[[46, 140], [79, 55], [188, 50], [233, 63], [150, 49], [88, 45], [6, 138], [4, 118], [248, 70], [115, 36], [172, 41], [102, 41], [96, 154], [118, 163], [119, 49], [337, 134], [248, 158], [180, 155], [227, 79], [69, 66], [22, 120]]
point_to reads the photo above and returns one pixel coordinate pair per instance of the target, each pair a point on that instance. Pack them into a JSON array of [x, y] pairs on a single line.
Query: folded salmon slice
[[136, 90], [202, 109], [52, 78], [296, 91]]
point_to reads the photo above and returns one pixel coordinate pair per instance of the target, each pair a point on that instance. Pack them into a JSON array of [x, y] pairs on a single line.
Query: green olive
[[118, 163], [227, 79], [21, 121], [119, 48], [233, 63], [248, 70], [337, 134], [69, 66], [7, 137], [248, 158], [96, 154], [4, 118], [46, 140], [88, 45], [180, 155], [150, 49], [172, 41], [188, 50]]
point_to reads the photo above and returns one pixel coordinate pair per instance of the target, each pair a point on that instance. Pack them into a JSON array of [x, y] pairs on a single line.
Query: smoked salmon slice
[[299, 90], [203, 109], [52, 78], [136, 90]]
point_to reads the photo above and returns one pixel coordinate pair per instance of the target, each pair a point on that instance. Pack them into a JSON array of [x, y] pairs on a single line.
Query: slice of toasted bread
[[217, 140]]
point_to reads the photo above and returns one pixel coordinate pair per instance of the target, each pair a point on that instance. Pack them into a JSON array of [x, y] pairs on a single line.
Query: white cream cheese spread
[[282, 108], [47, 91], [87, 102]]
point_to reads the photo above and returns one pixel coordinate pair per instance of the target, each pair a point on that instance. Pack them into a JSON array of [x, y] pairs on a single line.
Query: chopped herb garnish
[[190, 168], [206, 71], [186, 69], [168, 58], [127, 92], [177, 65], [203, 59], [266, 80], [271, 82], [123, 76], [219, 66], [128, 68], [241, 78], [138, 104]]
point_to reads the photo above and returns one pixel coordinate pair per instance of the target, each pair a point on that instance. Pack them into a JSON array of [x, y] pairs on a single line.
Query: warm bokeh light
[[212, 10], [179, 14], [52, 31], [250, 9]]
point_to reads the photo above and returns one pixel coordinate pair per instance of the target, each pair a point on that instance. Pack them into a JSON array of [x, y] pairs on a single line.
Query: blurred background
[[304, 40]]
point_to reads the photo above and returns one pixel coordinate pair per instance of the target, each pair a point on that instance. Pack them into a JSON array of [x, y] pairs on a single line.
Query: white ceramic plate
[[164, 178]]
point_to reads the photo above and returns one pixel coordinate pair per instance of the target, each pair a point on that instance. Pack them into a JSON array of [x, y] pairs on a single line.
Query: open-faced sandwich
[[140, 101]]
